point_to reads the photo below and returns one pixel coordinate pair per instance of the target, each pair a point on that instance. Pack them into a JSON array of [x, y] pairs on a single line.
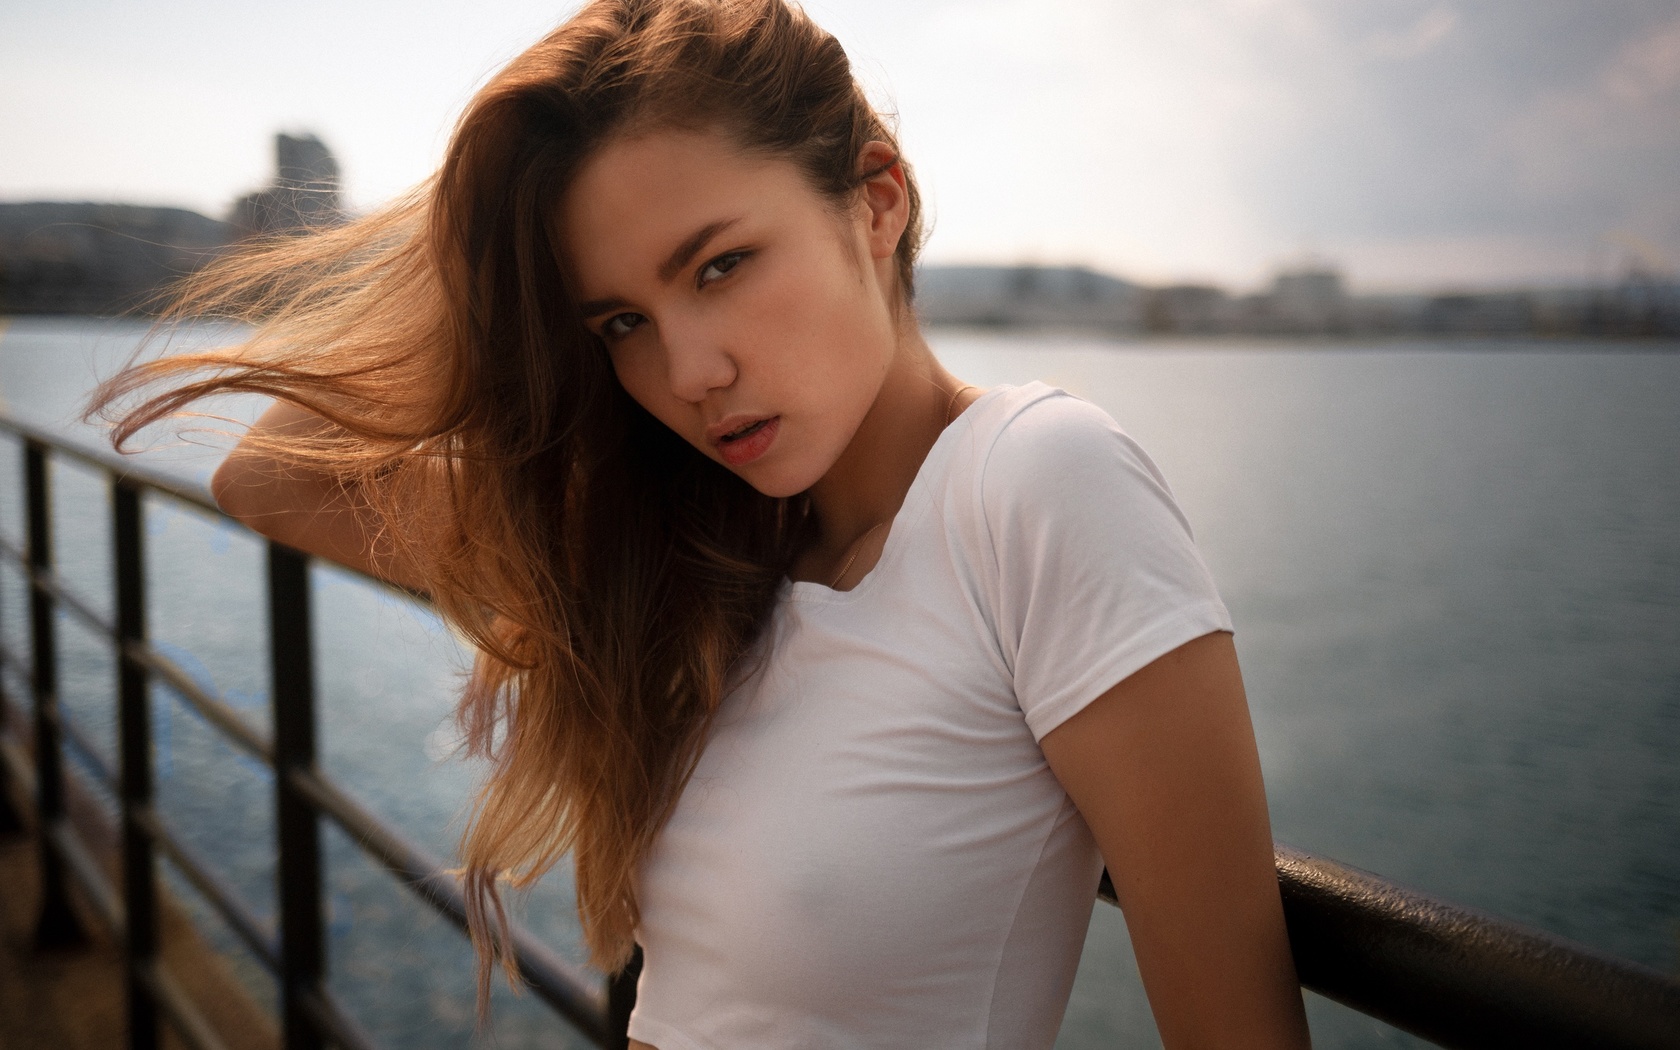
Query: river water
[[1454, 570]]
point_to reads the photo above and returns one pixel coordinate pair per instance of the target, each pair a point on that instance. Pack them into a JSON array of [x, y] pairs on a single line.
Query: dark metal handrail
[[1459, 977], [1454, 976], [310, 1015]]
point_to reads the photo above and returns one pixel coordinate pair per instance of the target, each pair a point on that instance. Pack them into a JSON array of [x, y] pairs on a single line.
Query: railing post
[[621, 999], [11, 822], [139, 875], [57, 926], [291, 652]]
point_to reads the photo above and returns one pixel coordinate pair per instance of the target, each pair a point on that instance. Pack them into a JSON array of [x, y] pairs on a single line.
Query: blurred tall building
[[305, 193], [1310, 299]]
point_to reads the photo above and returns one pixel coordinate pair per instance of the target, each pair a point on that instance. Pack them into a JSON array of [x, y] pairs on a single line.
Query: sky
[[1416, 144]]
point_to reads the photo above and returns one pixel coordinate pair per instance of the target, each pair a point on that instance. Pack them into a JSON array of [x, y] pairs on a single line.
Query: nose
[[697, 360]]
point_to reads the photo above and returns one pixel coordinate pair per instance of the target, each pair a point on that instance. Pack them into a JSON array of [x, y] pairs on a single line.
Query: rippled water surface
[[1454, 569]]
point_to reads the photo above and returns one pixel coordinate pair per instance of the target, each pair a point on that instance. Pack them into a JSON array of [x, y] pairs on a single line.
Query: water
[[1455, 578]]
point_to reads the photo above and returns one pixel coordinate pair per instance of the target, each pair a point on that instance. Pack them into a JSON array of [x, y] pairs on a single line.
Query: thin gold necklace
[[856, 546], [953, 402]]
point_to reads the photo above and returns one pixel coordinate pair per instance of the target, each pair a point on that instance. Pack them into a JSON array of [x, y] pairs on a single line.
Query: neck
[[868, 482]]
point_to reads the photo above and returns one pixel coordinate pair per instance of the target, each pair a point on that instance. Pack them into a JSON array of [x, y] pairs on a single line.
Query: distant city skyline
[[1413, 143]]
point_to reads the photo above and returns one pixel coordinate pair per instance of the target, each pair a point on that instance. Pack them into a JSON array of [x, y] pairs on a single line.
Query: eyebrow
[[691, 247], [678, 259]]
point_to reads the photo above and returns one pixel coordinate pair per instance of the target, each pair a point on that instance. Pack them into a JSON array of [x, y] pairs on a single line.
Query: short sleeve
[[1097, 571]]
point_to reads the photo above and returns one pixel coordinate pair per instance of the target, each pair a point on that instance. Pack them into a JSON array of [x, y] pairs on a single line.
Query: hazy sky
[[1417, 143]]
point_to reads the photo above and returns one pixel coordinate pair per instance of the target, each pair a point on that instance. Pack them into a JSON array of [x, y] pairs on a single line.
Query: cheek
[[638, 375], [811, 323]]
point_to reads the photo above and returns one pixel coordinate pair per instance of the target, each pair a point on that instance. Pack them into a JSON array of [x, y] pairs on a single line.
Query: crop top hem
[[658, 1034]]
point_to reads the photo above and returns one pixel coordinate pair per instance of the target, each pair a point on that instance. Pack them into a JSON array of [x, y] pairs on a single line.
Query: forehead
[[641, 195]]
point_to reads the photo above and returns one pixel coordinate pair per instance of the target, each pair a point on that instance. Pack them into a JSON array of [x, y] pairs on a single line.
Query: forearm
[[313, 510]]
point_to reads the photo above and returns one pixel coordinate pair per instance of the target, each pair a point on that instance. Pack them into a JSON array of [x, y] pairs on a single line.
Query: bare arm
[[310, 510], [1164, 769]]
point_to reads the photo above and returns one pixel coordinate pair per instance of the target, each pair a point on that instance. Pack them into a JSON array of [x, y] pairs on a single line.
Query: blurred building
[[82, 258], [1646, 301], [1043, 296], [1500, 313], [1310, 300], [305, 194], [1188, 308], [92, 258]]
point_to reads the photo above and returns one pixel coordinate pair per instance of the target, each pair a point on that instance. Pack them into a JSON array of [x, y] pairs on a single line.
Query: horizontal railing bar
[[98, 889], [19, 770], [332, 1020], [102, 896], [191, 1025], [67, 598], [63, 840], [1461, 978], [112, 463], [126, 470], [17, 669], [1457, 977], [239, 916], [574, 992], [77, 737], [217, 712], [10, 663], [50, 583], [170, 674], [161, 667]]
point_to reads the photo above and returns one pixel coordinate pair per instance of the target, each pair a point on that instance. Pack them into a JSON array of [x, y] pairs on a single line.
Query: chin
[[777, 484], [776, 490]]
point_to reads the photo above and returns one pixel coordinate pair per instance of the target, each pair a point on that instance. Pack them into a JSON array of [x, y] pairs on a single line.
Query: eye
[[719, 267], [620, 325]]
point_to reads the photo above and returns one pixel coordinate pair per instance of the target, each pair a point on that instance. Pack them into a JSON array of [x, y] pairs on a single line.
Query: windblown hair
[[610, 575]]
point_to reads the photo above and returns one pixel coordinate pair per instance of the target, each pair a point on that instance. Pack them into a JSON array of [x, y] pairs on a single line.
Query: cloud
[[1647, 69], [1469, 260], [1422, 36], [1187, 139], [1607, 147], [1113, 133], [1500, 136]]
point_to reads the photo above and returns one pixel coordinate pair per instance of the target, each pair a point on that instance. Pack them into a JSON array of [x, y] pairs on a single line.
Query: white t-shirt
[[872, 851]]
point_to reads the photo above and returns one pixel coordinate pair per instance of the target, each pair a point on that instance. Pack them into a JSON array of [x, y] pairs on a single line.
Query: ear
[[886, 196]]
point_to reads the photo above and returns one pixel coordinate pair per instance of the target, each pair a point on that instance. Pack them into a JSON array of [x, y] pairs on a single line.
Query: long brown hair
[[609, 574]]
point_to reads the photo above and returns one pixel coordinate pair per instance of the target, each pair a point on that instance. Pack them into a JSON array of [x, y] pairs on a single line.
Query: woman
[[834, 674]]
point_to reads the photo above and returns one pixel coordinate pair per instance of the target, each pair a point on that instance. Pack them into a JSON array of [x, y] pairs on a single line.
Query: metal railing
[[310, 1015], [1450, 975]]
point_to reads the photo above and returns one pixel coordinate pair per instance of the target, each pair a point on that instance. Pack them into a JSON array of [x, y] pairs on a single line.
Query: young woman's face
[[739, 306]]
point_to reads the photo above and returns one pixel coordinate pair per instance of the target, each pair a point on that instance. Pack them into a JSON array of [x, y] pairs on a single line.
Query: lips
[[741, 440]]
